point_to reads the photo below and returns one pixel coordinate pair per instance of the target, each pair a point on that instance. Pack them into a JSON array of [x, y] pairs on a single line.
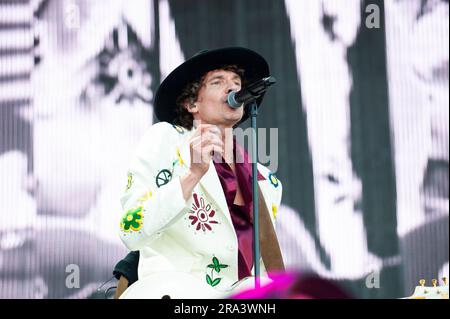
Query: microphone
[[251, 92]]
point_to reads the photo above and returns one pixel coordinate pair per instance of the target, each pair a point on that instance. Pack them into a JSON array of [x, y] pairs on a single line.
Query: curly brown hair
[[189, 96]]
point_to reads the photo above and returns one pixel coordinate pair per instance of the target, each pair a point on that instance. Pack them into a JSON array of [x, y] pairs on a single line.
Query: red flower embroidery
[[201, 214]]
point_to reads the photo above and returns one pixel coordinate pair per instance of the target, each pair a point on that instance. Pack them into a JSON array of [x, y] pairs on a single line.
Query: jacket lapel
[[211, 184]]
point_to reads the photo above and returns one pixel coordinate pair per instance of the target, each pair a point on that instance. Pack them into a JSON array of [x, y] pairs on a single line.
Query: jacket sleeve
[[149, 206]]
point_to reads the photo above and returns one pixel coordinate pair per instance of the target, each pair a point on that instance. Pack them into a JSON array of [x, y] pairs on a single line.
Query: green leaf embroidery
[[216, 282], [217, 265], [215, 261], [209, 280]]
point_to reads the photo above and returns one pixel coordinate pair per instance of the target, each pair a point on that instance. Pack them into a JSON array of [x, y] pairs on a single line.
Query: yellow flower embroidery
[[274, 210], [132, 220]]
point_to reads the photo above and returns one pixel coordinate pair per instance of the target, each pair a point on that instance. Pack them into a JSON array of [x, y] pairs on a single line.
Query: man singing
[[188, 206]]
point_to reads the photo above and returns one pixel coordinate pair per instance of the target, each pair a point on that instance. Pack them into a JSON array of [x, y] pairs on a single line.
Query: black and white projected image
[[418, 55], [89, 103]]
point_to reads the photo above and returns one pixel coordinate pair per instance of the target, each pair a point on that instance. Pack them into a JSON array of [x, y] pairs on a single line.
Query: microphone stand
[[254, 91], [254, 157]]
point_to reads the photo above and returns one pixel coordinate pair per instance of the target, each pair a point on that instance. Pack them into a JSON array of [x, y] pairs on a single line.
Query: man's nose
[[233, 87]]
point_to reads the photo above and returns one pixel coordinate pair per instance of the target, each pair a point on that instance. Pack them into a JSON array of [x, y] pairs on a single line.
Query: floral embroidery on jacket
[[216, 266], [273, 180], [201, 214], [132, 220]]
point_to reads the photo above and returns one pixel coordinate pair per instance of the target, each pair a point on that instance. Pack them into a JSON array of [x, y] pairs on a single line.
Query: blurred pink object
[[294, 285]]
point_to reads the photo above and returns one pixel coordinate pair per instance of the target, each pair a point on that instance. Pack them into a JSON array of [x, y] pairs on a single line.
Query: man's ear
[[191, 107]]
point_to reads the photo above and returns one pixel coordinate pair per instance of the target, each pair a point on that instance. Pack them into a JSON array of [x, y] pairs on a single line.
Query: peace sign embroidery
[[164, 176]]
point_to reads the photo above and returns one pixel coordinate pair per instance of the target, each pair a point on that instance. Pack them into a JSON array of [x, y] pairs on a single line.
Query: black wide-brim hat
[[254, 65]]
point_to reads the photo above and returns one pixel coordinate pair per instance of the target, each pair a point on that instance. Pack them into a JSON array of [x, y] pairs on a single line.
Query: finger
[[212, 142], [211, 149], [196, 153], [198, 144], [195, 140], [205, 138], [209, 137], [203, 128]]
